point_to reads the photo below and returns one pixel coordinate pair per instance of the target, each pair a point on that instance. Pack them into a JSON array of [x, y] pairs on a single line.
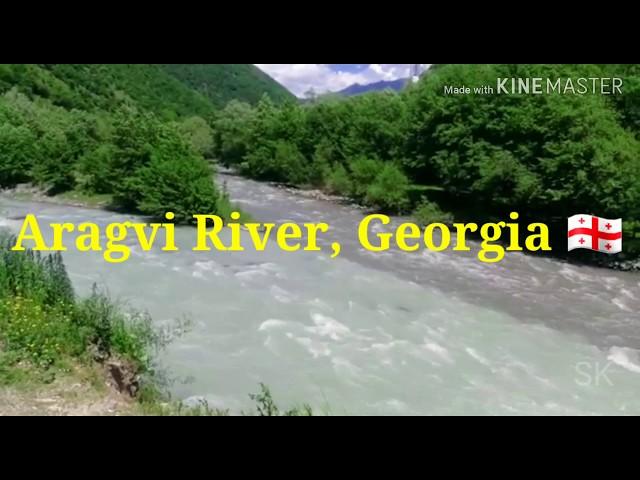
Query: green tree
[[54, 169], [176, 179], [338, 181], [198, 132], [364, 171], [16, 154], [550, 154], [232, 132], [389, 190], [95, 169], [323, 158]]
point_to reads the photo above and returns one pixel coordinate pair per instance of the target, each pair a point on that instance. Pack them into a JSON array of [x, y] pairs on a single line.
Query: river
[[388, 333]]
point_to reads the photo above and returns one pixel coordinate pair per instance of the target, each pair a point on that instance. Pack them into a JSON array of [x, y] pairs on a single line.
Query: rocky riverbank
[[31, 193]]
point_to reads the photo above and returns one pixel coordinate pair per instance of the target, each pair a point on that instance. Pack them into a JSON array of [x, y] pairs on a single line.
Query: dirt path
[[64, 397]]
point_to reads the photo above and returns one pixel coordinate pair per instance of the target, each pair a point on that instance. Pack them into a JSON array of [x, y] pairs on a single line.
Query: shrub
[[389, 191], [266, 406], [31, 275], [319, 170], [161, 175], [114, 331], [95, 168], [289, 160], [199, 134], [428, 212], [36, 333], [363, 173], [337, 180], [182, 185], [232, 130], [55, 165], [16, 154], [43, 323], [279, 161]]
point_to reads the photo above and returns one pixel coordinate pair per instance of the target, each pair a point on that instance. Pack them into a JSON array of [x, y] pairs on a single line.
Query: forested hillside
[[130, 132], [221, 83], [97, 86], [381, 86], [170, 91]]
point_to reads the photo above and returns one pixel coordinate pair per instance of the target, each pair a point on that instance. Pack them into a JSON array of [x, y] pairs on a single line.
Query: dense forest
[[132, 132], [94, 87], [221, 83], [480, 156]]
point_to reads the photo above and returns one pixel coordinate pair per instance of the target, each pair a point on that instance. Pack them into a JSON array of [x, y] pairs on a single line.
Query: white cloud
[[300, 77], [389, 71]]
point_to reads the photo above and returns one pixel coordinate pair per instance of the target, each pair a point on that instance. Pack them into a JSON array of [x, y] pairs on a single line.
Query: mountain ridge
[[382, 85], [170, 91], [221, 83]]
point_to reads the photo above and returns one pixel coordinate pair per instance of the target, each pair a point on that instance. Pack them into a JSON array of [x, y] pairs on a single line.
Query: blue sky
[[322, 77]]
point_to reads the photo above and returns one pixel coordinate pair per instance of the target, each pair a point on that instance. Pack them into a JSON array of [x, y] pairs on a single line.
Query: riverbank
[[61, 354], [430, 212], [74, 198], [92, 201], [91, 390], [82, 391]]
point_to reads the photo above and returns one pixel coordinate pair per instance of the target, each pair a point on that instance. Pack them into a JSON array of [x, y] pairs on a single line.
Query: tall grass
[[29, 274], [43, 322]]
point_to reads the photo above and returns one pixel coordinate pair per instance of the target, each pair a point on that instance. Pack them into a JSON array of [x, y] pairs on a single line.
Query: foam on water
[[346, 369], [281, 295], [271, 324], [252, 274], [316, 348], [476, 356], [627, 358], [8, 224], [328, 327], [439, 350], [209, 267]]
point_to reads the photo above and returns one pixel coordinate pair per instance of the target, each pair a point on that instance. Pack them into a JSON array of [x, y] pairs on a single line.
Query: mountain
[[103, 86], [221, 83], [170, 91], [358, 89]]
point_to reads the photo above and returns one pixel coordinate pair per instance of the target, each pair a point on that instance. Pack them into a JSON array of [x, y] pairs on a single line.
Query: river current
[[389, 333]]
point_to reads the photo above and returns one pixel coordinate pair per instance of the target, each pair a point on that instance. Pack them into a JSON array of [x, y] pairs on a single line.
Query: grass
[[93, 200], [50, 339], [76, 198], [429, 212], [44, 325], [265, 406], [79, 198], [180, 409]]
